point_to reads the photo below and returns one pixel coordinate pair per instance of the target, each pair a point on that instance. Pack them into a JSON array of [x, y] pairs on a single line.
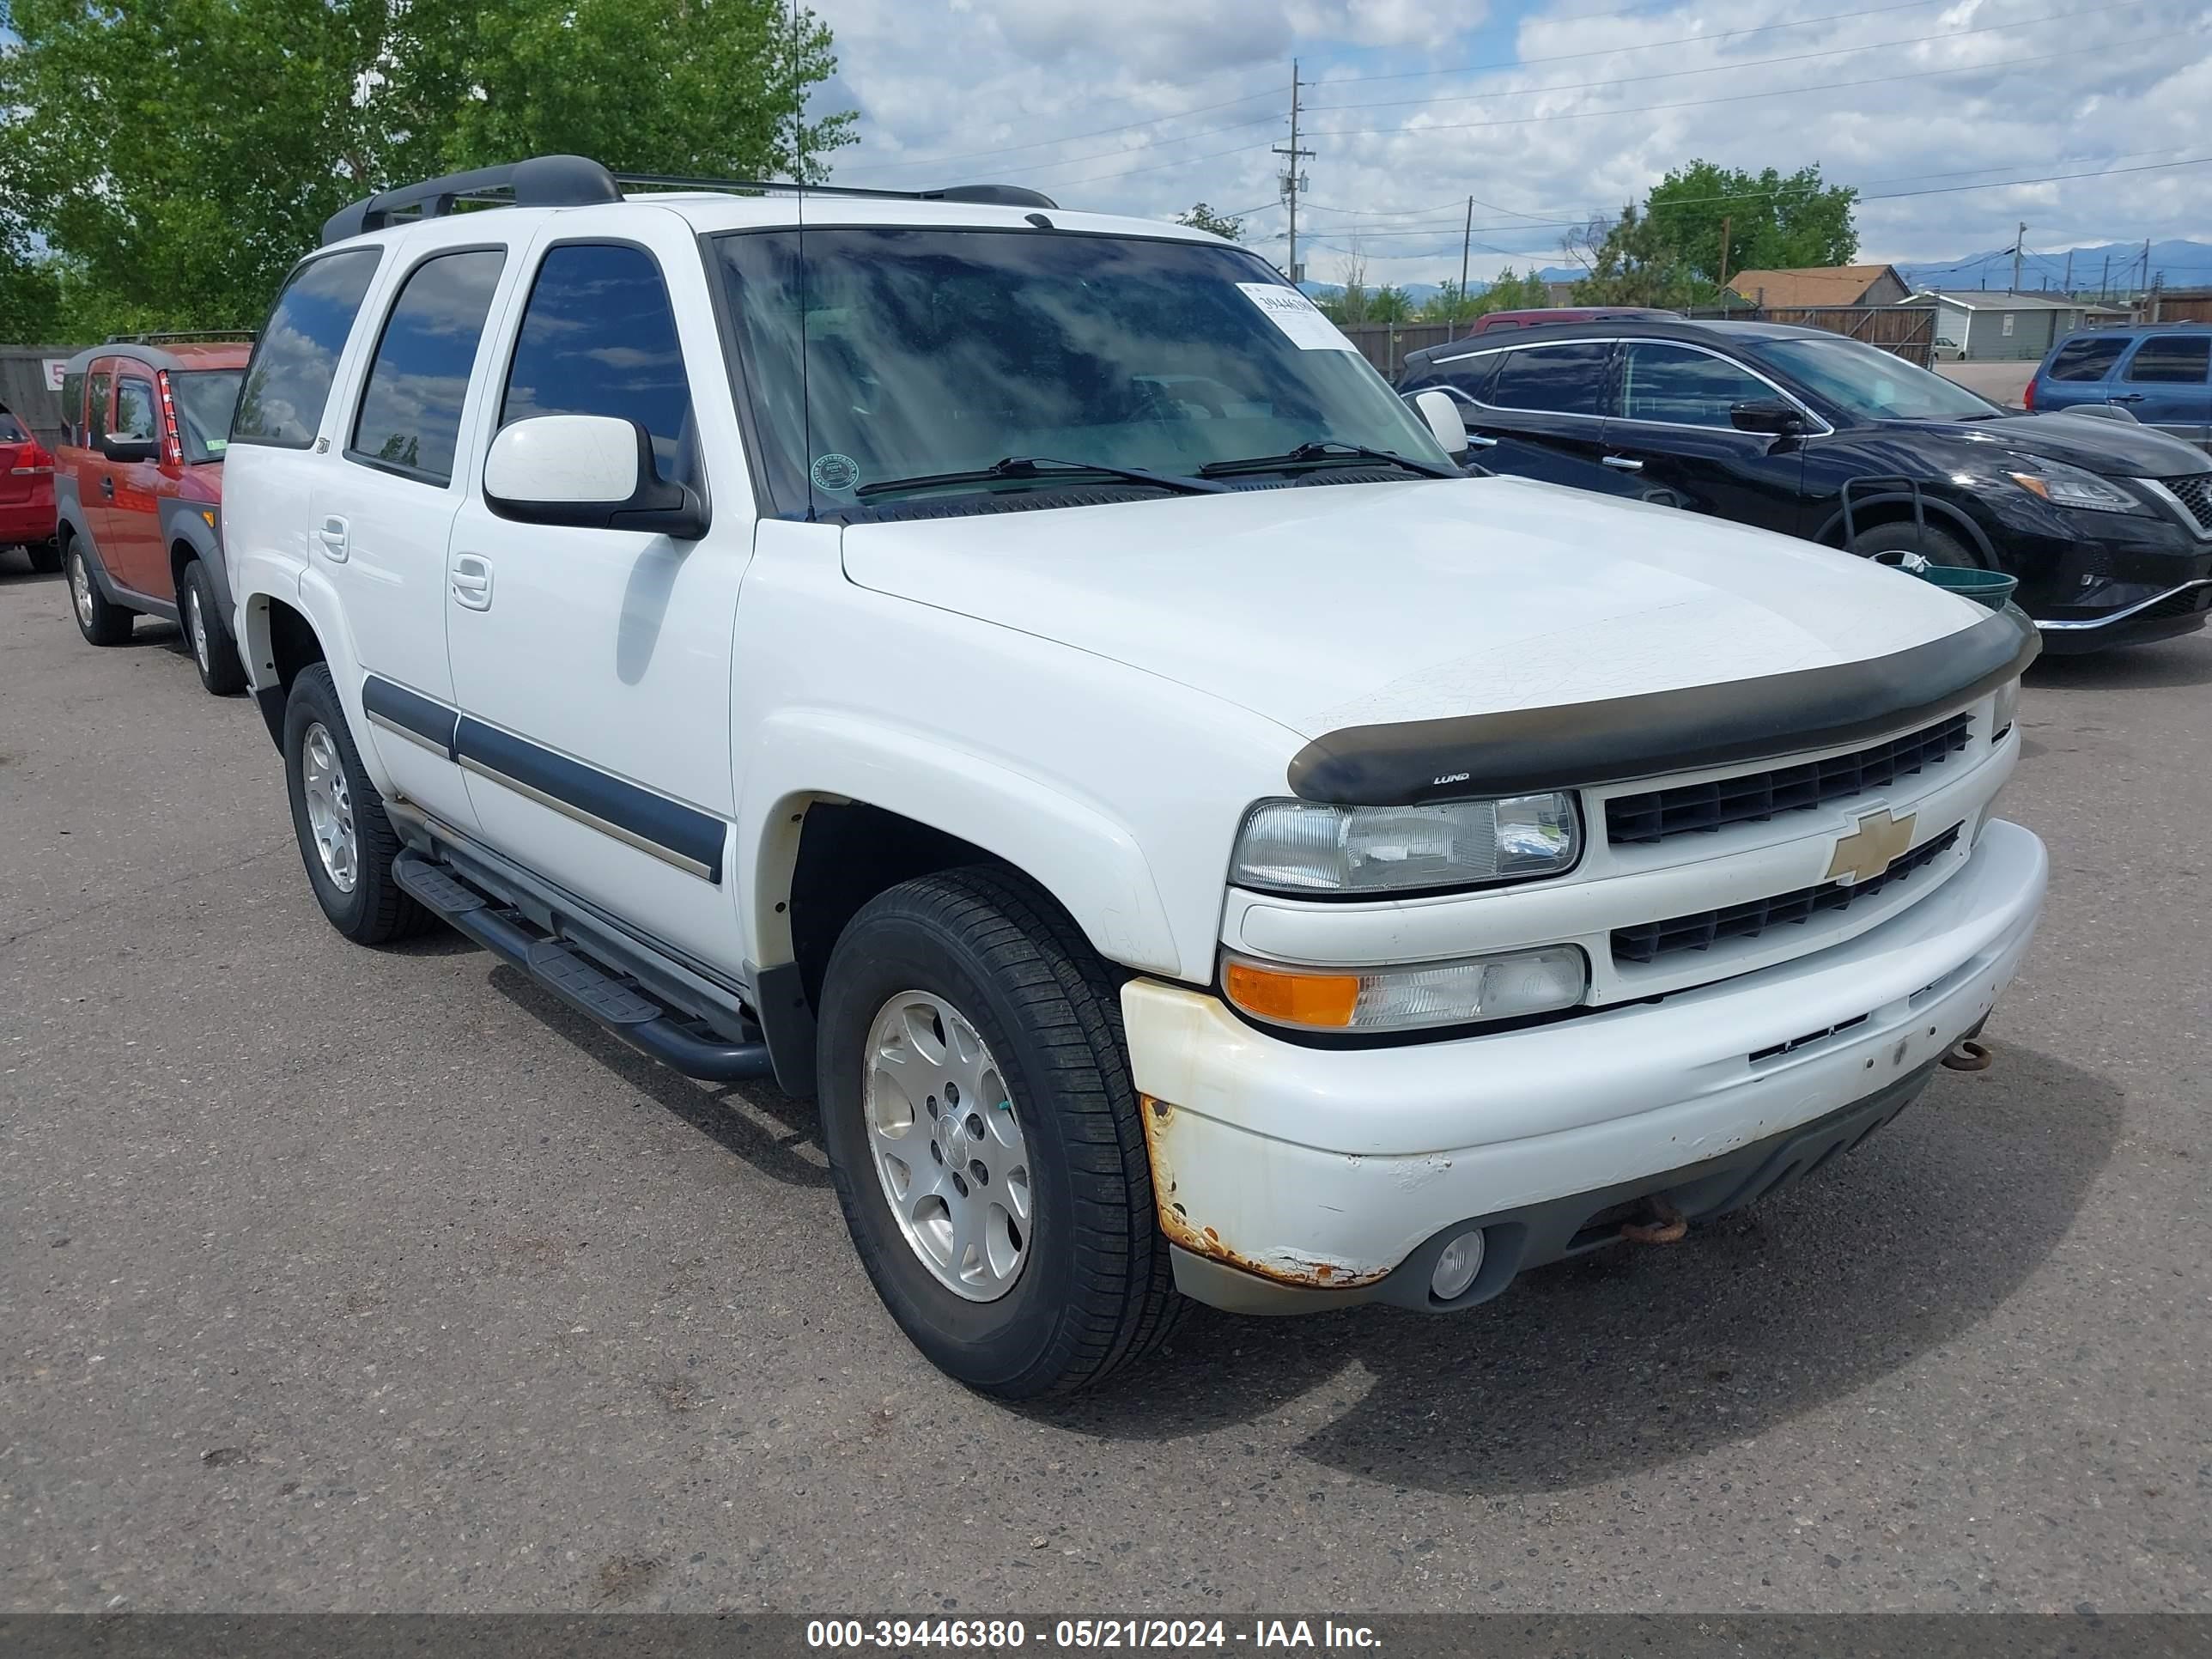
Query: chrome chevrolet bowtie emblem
[[1872, 847]]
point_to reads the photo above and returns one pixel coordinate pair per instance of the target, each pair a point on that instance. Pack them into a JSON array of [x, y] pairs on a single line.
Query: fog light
[[1457, 1266]]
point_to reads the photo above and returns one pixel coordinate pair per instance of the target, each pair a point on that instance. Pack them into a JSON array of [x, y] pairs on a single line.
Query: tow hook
[[1663, 1223], [1968, 1055]]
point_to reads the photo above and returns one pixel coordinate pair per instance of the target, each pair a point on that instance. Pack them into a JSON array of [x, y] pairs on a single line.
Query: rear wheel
[[983, 1132], [212, 651], [345, 840], [100, 622]]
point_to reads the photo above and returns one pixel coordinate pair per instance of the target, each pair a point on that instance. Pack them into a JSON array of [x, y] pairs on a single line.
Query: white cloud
[[1151, 104]]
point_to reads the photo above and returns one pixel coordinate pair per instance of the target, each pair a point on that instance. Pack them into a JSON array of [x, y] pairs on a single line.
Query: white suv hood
[[1352, 605]]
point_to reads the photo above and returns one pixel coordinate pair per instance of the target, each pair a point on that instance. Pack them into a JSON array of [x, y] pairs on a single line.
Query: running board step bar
[[636, 1019]]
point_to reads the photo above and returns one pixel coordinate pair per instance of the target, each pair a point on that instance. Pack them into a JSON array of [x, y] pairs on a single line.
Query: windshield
[[935, 352], [204, 398], [1873, 385]]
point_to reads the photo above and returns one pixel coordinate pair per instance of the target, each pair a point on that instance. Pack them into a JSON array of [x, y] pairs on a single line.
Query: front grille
[[2194, 493], [2187, 602], [1755, 797], [1648, 941]]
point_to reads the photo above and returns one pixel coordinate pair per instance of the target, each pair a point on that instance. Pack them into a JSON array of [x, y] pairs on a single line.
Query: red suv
[[138, 487], [26, 494]]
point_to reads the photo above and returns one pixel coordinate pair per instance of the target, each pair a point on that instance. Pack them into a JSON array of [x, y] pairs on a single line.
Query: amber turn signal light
[[1322, 999]]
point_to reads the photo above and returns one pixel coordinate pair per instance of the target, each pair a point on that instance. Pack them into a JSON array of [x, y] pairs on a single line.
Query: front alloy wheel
[[948, 1146]]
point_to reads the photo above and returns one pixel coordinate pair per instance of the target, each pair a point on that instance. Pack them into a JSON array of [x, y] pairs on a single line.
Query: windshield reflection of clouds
[[932, 351]]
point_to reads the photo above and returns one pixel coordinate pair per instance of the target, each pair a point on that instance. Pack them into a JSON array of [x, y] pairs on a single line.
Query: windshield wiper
[[1032, 468], [1325, 452]]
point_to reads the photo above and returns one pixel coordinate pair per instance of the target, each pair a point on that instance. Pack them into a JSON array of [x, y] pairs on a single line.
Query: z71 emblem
[[1872, 847]]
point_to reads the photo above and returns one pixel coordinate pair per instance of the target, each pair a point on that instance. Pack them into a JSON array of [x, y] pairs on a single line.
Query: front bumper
[[1289, 1177], [2119, 580]]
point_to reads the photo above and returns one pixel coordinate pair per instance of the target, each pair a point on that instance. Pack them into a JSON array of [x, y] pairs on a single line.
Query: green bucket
[[1990, 587]]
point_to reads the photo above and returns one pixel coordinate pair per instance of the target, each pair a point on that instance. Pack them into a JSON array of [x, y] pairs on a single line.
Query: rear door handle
[[332, 534], [472, 582], [1622, 464]]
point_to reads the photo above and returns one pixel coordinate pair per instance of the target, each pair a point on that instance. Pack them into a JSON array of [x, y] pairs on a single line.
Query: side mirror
[[127, 449], [1442, 413], [1769, 415], [588, 472]]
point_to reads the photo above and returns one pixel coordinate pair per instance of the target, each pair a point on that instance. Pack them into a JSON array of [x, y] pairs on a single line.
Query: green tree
[[1448, 305], [1512, 293], [1389, 305], [1202, 217], [1773, 222], [1630, 261], [178, 155]]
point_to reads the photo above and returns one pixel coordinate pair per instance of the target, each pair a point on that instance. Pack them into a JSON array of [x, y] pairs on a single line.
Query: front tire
[[1936, 546], [345, 840], [1012, 1237], [100, 622], [213, 653]]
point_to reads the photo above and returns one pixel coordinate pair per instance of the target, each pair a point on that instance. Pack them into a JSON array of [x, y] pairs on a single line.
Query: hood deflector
[[1580, 745]]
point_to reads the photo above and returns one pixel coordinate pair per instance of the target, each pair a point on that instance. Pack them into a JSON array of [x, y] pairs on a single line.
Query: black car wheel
[[100, 622], [1936, 546]]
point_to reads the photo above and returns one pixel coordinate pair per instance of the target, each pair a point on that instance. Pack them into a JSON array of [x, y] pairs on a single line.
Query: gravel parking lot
[[373, 1279]]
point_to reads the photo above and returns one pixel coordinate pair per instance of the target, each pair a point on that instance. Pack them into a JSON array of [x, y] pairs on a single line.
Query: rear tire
[[1089, 1287], [100, 622], [46, 557], [345, 840], [213, 653]]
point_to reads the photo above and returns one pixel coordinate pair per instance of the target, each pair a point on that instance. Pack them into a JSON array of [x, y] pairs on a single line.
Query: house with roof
[[1822, 285], [1994, 325]]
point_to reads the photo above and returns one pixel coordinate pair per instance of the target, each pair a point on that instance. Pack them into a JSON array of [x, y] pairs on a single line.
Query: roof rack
[[191, 336], [579, 181]]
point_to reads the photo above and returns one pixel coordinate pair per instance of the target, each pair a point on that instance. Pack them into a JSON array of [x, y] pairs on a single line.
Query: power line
[[1465, 69]]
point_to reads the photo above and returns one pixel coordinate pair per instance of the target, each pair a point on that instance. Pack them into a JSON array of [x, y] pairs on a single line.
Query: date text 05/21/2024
[[1085, 1634]]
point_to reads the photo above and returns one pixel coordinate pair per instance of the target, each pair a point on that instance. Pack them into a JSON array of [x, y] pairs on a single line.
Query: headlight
[[2007, 707], [2069, 486], [1505, 987], [1305, 847]]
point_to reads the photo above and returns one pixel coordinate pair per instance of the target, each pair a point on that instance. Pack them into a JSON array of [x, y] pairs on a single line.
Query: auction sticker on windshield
[[1299, 318]]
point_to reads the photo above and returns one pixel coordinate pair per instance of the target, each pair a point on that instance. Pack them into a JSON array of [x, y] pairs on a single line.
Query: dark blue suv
[[2160, 373]]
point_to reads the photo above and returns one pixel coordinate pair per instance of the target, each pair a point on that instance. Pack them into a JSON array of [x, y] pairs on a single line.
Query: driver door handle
[[108, 488], [472, 581], [2125, 397], [1622, 464]]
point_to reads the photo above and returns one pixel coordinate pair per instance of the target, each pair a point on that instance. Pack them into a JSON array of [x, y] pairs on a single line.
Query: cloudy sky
[[1546, 113]]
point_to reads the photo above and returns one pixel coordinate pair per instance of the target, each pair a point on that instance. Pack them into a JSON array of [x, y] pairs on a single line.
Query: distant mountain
[[2183, 265]]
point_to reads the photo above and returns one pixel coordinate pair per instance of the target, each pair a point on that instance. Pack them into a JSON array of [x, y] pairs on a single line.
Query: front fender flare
[[1087, 861]]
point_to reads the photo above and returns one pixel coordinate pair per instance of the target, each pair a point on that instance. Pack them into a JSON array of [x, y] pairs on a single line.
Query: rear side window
[[2086, 360], [1553, 380], [73, 407], [2173, 359], [1469, 374], [96, 414], [296, 358], [599, 337], [410, 408]]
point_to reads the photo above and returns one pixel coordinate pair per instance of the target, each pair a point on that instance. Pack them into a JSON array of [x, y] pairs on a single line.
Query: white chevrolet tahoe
[[1019, 676]]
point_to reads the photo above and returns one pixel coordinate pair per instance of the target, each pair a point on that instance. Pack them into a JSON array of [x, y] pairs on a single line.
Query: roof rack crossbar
[[541, 182], [579, 181], [994, 195]]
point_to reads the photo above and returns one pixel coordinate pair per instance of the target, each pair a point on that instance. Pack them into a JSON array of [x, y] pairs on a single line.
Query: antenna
[[798, 180]]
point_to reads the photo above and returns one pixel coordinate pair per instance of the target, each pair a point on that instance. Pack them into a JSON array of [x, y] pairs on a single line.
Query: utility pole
[[1467, 241], [2146, 281], [1292, 183], [2019, 242], [2069, 273], [1724, 253]]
